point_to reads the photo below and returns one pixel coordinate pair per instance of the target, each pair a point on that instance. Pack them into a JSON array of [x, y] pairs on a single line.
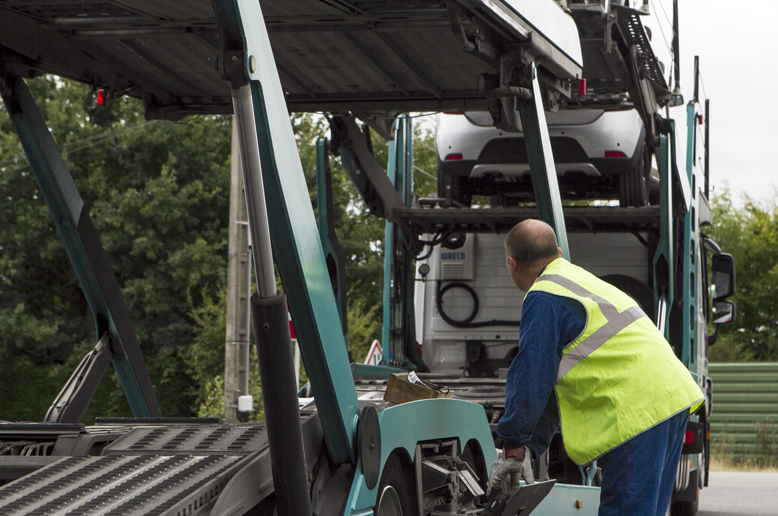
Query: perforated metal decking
[[173, 470]]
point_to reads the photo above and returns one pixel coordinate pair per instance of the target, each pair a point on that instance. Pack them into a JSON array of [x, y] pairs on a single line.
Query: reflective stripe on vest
[[617, 321]]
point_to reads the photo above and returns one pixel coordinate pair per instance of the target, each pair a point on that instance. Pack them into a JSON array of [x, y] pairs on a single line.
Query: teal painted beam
[[664, 271], [83, 247], [690, 246], [387, 333], [399, 330], [296, 244], [541, 163], [325, 213]]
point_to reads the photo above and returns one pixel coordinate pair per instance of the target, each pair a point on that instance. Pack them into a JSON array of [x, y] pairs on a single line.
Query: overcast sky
[[738, 47]]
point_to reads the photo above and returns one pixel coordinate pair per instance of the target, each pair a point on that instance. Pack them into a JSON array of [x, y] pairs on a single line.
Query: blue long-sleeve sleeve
[[531, 418]]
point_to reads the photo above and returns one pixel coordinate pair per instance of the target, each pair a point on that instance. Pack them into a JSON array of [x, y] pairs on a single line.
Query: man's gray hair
[[531, 242]]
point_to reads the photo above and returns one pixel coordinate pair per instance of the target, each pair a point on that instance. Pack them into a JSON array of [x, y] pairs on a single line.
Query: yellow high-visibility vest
[[619, 377]]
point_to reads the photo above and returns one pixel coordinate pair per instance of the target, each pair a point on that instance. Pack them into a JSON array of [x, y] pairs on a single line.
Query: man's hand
[[511, 466]]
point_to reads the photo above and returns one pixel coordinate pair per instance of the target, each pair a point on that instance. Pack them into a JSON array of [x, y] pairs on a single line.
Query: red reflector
[[291, 328], [688, 438], [582, 86], [699, 119], [101, 97], [614, 154], [452, 157]]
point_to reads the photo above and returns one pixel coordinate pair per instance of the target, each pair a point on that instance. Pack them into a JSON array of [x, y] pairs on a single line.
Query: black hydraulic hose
[[509, 91], [282, 412], [467, 322]]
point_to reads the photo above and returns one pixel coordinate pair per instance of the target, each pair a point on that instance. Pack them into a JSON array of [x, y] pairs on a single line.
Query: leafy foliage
[[749, 232], [158, 195]]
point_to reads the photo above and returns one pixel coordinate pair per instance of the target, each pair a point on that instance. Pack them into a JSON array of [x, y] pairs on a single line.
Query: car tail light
[[453, 157], [614, 154], [688, 438], [582, 86]]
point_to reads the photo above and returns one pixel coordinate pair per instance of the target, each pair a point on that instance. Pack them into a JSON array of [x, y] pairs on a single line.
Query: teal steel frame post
[[541, 164], [325, 213], [404, 161], [387, 328], [294, 235], [398, 311], [690, 243], [82, 245], [664, 261]]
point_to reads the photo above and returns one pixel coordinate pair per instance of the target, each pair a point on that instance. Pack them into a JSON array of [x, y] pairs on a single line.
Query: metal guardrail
[[744, 422]]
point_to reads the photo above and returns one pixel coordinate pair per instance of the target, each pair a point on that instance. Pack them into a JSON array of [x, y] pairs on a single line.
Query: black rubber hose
[[282, 412], [467, 321]]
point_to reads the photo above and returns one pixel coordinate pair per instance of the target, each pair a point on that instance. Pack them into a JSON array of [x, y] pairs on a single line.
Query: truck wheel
[[460, 188], [396, 494], [474, 457], [633, 184], [635, 289], [686, 508]]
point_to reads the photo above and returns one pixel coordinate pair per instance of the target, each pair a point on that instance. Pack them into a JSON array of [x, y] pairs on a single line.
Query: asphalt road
[[740, 494]]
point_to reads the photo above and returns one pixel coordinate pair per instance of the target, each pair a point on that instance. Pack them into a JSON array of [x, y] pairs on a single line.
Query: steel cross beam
[[83, 247], [691, 238], [541, 163], [664, 259], [399, 335], [279, 202], [336, 265]]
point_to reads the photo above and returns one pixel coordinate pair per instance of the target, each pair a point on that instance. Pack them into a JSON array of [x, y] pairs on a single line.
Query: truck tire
[[685, 508], [460, 188], [635, 289], [634, 184], [474, 457], [396, 490]]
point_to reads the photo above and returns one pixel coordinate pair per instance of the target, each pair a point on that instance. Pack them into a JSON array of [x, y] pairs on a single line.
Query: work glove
[[507, 472]]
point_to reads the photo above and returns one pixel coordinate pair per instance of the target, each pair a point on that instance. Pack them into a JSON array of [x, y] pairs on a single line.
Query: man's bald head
[[532, 243]]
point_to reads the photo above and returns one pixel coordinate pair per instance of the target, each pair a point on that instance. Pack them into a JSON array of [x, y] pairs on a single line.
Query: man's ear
[[511, 262], [560, 251]]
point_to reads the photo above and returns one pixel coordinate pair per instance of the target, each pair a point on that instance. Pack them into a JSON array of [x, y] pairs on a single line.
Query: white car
[[598, 155]]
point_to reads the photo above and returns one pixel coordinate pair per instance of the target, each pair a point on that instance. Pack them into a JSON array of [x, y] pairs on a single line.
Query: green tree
[[157, 195], [749, 231]]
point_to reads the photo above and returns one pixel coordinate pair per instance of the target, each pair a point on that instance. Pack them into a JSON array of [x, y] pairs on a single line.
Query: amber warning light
[[101, 97]]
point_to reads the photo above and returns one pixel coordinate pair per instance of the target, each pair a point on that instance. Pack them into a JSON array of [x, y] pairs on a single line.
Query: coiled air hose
[[467, 322]]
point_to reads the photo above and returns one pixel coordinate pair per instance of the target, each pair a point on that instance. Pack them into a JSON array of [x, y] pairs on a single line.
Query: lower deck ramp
[[171, 470]]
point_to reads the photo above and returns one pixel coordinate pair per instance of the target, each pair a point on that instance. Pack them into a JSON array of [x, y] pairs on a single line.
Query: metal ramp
[[500, 220], [332, 55], [170, 470], [620, 66]]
